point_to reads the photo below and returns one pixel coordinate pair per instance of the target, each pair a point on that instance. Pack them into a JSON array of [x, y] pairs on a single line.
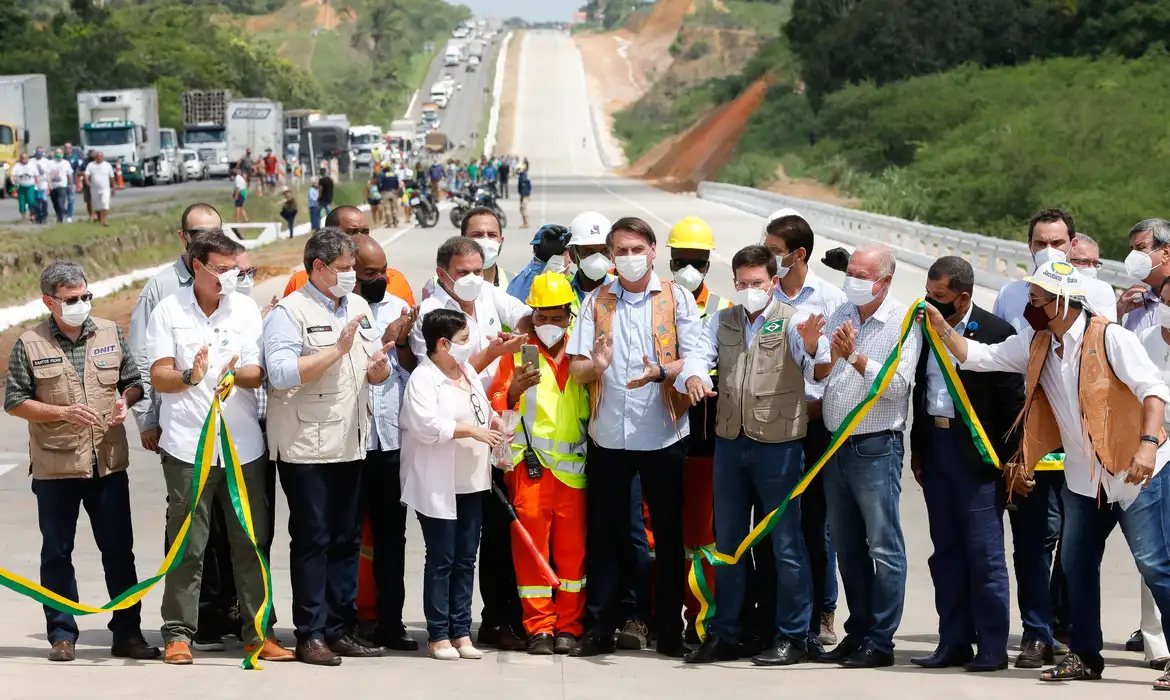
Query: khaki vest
[[761, 389], [326, 420], [62, 450], [1111, 415]]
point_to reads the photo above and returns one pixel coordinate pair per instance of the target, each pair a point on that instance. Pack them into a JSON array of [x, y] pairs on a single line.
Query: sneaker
[[178, 654], [69, 219], [207, 643], [634, 636], [828, 634]]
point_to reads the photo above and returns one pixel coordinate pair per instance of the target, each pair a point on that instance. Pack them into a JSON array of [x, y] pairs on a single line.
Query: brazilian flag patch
[[365, 323], [773, 326]]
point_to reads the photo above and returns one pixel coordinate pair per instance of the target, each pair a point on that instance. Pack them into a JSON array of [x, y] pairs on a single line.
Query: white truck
[[363, 139], [453, 56], [255, 124], [123, 124], [441, 94], [402, 136], [205, 130], [24, 119]]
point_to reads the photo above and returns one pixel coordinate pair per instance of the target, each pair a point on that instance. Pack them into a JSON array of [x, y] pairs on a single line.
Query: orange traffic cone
[[118, 177]]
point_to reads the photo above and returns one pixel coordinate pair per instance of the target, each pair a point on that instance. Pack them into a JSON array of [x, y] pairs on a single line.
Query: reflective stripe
[[546, 445], [568, 586], [534, 591]]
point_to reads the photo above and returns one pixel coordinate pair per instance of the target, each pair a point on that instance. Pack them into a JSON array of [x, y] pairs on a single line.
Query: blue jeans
[[1031, 525], [315, 218], [638, 562], [70, 195], [449, 568], [1146, 526], [863, 484], [746, 469]]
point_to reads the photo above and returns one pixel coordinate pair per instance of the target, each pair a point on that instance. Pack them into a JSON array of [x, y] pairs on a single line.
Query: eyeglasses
[[218, 269], [248, 273], [700, 265], [754, 284], [355, 231], [477, 408], [1083, 262], [73, 300]]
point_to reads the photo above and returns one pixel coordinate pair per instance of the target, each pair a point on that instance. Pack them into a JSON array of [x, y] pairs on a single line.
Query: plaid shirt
[[21, 386]]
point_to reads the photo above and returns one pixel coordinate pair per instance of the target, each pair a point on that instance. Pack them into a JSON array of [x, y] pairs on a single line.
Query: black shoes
[[594, 644], [713, 649], [1035, 654], [945, 657], [135, 648], [502, 637], [541, 644], [867, 657], [1135, 642], [672, 645], [785, 653], [565, 643], [351, 647], [842, 651], [815, 650], [986, 663], [397, 641]]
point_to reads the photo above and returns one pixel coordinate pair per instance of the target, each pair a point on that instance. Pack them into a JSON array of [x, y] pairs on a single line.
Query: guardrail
[[997, 261]]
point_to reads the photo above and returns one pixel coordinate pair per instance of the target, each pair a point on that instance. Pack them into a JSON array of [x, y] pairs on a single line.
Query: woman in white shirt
[[448, 431]]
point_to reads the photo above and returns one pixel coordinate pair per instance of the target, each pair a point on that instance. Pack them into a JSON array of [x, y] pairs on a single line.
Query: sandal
[[1160, 664], [1163, 682], [1072, 668]]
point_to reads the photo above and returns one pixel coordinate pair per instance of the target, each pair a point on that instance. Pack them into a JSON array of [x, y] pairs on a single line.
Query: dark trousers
[[1031, 524], [449, 568], [497, 575], [1057, 586], [291, 220], [968, 566], [504, 187], [60, 197], [382, 495], [814, 521], [325, 542], [107, 502], [608, 509], [637, 563], [758, 614], [315, 218]]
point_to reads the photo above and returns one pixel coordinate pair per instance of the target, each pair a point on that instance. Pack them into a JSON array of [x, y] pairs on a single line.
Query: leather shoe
[[348, 646], [815, 650], [984, 663], [945, 657], [62, 651], [672, 645], [541, 644], [508, 640], [565, 643], [713, 649], [842, 651], [135, 648], [316, 653], [398, 641], [785, 653], [1035, 654], [595, 643], [1136, 642], [867, 657]]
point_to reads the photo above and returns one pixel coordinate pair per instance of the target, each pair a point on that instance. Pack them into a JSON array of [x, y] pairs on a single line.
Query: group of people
[[38, 181], [632, 425]]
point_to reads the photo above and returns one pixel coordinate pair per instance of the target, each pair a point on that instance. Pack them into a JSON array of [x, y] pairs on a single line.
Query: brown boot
[[62, 651], [270, 651], [178, 654]]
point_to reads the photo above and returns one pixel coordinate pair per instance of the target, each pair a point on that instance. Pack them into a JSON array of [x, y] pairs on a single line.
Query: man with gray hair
[[73, 378], [322, 352], [1149, 243], [863, 479]]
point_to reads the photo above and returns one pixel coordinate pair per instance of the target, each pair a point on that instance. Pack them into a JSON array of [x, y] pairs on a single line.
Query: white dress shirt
[[816, 297], [1012, 299], [1159, 352], [386, 398], [178, 328], [938, 399], [1060, 379], [429, 448]]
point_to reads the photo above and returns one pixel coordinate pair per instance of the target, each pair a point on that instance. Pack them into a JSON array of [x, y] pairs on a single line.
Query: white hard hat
[[589, 228], [781, 213]]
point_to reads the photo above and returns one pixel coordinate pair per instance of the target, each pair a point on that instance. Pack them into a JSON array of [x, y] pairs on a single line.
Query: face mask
[[753, 300], [1087, 272], [1047, 255], [632, 268], [1138, 265], [947, 310], [556, 264], [491, 251], [461, 353], [373, 290], [781, 268], [859, 292], [549, 334], [467, 287], [1036, 317], [345, 283], [1164, 316], [596, 266], [244, 286], [689, 278], [74, 315]]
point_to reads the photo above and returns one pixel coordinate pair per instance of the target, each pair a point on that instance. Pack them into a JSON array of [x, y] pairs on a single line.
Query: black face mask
[[947, 310], [373, 291]]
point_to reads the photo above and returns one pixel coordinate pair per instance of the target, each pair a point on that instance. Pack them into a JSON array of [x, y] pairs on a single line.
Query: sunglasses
[[355, 231], [73, 300], [700, 265]]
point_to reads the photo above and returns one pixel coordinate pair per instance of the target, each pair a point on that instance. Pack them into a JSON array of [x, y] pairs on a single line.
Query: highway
[[552, 120], [465, 111]]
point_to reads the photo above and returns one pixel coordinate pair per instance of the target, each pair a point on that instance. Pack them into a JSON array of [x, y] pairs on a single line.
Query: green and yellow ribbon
[[204, 461], [698, 581]]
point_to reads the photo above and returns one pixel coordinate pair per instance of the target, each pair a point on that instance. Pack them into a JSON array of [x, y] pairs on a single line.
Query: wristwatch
[[661, 375], [852, 357], [187, 377]]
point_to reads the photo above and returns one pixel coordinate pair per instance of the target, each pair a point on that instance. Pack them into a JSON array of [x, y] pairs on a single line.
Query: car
[[193, 167]]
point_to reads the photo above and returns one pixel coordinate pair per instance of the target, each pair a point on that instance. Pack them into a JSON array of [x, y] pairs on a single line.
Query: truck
[[205, 128], [363, 140], [326, 138], [171, 164], [401, 136], [256, 124], [430, 112], [123, 124], [437, 143], [453, 56], [24, 119], [441, 94]]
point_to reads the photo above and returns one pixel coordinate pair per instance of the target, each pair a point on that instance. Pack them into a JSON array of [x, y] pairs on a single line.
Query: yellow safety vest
[[557, 423]]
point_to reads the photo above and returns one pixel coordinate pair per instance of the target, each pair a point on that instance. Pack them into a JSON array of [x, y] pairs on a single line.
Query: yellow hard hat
[[549, 290], [692, 232]]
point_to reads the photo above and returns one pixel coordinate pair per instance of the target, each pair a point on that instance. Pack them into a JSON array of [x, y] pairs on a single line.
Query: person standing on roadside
[[240, 195], [325, 193], [77, 451], [60, 177], [246, 166], [26, 175], [288, 211], [314, 197], [99, 176], [390, 187], [76, 162], [524, 189], [505, 174], [271, 168]]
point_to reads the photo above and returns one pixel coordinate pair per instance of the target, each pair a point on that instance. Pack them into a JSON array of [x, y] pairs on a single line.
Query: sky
[[531, 10]]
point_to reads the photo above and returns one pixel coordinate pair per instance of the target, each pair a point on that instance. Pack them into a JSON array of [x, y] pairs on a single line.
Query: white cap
[[1060, 278], [589, 228], [781, 213]]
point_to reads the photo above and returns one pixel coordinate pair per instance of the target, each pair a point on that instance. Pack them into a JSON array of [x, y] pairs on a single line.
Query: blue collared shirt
[[386, 398], [816, 297], [636, 419], [521, 284], [283, 340]]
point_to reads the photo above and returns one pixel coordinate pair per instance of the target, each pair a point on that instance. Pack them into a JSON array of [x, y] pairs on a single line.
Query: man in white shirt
[[26, 176], [195, 337], [1115, 478], [60, 175], [100, 176]]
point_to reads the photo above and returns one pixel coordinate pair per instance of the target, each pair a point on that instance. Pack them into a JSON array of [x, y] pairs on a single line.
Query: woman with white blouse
[[448, 431]]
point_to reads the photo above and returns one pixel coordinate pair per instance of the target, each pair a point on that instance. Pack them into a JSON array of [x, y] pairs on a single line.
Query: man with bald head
[[863, 479]]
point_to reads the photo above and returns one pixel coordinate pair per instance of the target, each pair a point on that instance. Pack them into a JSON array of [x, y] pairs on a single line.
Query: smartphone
[[530, 354]]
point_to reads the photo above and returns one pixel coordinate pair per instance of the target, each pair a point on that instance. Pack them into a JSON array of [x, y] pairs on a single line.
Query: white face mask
[[491, 251], [1138, 265], [556, 264], [1164, 315], [753, 300], [75, 314], [461, 353], [689, 278], [549, 334], [244, 286], [228, 282], [467, 287], [859, 292], [632, 268], [1047, 255], [781, 268], [1088, 272], [596, 266], [345, 283]]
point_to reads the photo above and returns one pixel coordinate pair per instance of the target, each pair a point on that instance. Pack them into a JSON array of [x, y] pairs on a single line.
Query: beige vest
[[62, 450], [326, 420], [761, 389]]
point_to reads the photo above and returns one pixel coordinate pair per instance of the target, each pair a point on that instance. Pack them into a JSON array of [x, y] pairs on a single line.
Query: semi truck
[[363, 140], [24, 119], [255, 124], [453, 56], [123, 124], [205, 128], [326, 138]]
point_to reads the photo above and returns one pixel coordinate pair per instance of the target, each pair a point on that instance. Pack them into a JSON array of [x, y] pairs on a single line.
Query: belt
[[941, 422], [866, 436]]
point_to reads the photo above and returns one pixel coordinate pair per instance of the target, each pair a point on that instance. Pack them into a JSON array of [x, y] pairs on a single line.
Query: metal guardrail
[[997, 261]]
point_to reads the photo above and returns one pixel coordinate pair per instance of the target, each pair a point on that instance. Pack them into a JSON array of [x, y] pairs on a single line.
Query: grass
[[763, 18]]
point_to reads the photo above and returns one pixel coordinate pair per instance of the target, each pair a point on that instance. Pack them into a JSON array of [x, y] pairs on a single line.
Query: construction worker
[[554, 412], [549, 244]]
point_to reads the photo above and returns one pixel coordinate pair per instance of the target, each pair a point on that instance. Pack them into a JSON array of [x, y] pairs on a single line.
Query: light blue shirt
[[521, 284], [636, 419], [313, 195], [816, 297], [938, 399], [283, 340], [386, 398]]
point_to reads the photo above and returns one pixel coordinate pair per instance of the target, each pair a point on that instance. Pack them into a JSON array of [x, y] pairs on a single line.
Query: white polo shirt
[[178, 328]]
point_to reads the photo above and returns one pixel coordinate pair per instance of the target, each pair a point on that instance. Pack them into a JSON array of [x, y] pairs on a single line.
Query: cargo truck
[[437, 143], [402, 136], [24, 119], [205, 128], [255, 124], [363, 140], [326, 138], [123, 124]]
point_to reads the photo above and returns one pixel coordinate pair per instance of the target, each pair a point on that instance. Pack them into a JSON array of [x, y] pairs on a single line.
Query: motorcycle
[[424, 207], [480, 196]]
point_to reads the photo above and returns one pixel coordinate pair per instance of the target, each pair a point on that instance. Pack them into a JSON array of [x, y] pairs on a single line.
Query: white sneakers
[[452, 653]]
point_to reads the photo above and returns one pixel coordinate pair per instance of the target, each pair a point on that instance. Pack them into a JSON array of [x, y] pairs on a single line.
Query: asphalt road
[[462, 116], [552, 120]]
